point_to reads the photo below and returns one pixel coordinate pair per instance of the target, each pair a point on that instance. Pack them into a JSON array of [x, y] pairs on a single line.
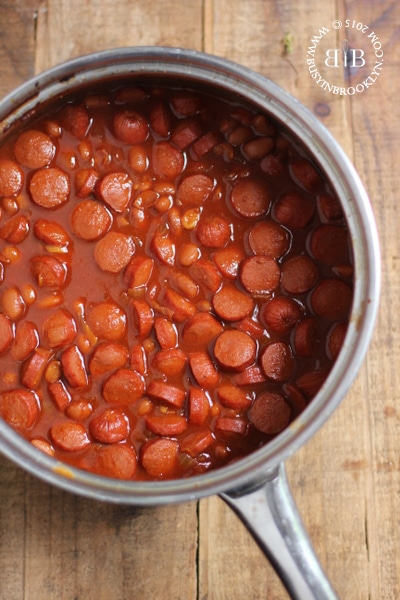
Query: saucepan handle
[[271, 516]]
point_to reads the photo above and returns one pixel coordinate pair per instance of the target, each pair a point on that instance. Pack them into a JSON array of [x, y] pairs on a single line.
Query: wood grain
[[346, 480]]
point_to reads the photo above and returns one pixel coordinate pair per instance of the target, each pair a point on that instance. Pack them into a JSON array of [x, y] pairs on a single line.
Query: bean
[[213, 231], [59, 394], [130, 127], [137, 159], [258, 147], [199, 406], [228, 260], [293, 210], [11, 177], [34, 367], [13, 304], [190, 218], [239, 135], [299, 274], [79, 410], [269, 239], [270, 413], [90, 220], [194, 190], [206, 274], [19, 407], [165, 392], [200, 330], [188, 254], [251, 197], [169, 362], [234, 350], [43, 446], [332, 299], [259, 275], [115, 190], [329, 245], [281, 314], [186, 133], [69, 436], [116, 460], [130, 94], [26, 339], [75, 118], [231, 304], [50, 187], [107, 320], [106, 357], [305, 174], [174, 222], [113, 252], [159, 457], [124, 386], [277, 361], [233, 397], [169, 425], [203, 370], [34, 149], [167, 161], [110, 427], [185, 285], [85, 182], [74, 368], [49, 271], [6, 332]]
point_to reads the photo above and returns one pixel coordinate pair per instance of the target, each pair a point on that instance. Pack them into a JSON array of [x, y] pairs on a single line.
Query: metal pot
[[255, 487]]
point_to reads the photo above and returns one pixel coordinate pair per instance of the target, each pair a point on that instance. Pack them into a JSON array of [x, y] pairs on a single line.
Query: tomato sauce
[[175, 280]]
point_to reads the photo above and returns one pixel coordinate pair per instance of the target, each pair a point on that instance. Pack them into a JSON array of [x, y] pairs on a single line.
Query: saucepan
[[256, 487]]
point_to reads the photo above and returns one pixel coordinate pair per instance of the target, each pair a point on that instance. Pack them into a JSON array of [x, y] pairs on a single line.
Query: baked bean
[[194, 190], [305, 337], [11, 177], [34, 149], [167, 161], [59, 329], [281, 314], [85, 182], [188, 254], [269, 239], [116, 460], [113, 252], [335, 340], [159, 457], [329, 245], [160, 119], [206, 274], [75, 118], [115, 190], [200, 329], [74, 369], [124, 386], [233, 397], [257, 148], [49, 271], [169, 424], [251, 197], [6, 332], [19, 408], [90, 220], [69, 436], [50, 187], [110, 427], [43, 446], [59, 394], [165, 392], [228, 260], [107, 320], [203, 369], [299, 274], [169, 362], [26, 339], [277, 361], [106, 357], [185, 285], [137, 158], [213, 232], [130, 127], [235, 350], [231, 304], [51, 233], [239, 135], [332, 299], [79, 410], [305, 174], [15, 230], [34, 367], [293, 210], [269, 413], [199, 406], [13, 304], [259, 275]]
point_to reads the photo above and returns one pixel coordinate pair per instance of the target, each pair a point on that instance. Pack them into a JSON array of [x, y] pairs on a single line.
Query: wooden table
[[346, 480]]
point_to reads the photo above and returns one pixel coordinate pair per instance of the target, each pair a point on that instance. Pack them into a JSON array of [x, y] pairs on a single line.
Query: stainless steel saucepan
[[255, 487]]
